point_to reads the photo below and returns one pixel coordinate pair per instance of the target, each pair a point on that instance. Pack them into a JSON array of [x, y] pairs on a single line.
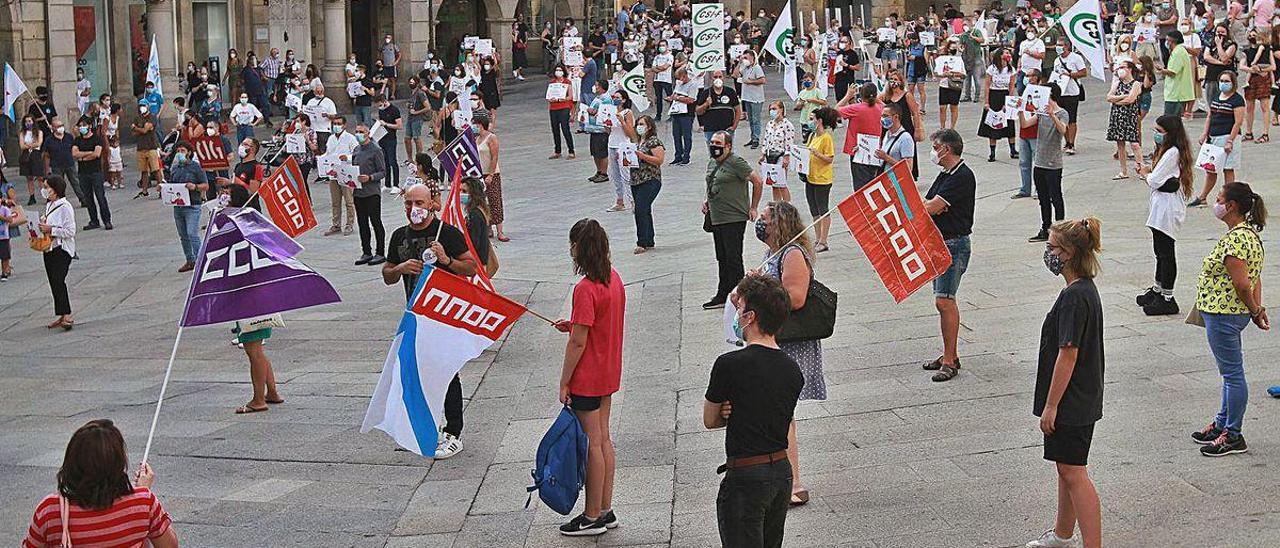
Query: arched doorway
[[455, 20]]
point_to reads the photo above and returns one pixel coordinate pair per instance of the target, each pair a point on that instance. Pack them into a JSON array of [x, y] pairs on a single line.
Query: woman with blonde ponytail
[[1069, 379]]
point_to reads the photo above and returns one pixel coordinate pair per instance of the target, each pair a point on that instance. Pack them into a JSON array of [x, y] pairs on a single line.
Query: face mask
[[388, 40], [662, 49], [244, 101], [886, 123], [762, 231], [1053, 262], [1122, 73], [773, 113], [1224, 87], [716, 151], [338, 130], [244, 151], [45, 192], [29, 125], [465, 199], [487, 67], [233, 56], [559, 74], [1059, 49], [808, 85], [360, 138], [1219, 210], [718, 82], [84, 130], [457, 73], [933, 157], [150, 91], [180, 157], [1158, 138], [59, 131], [642, 129], [417, 215]]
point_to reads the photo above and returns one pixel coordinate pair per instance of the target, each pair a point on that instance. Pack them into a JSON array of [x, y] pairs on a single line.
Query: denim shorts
[[415, 128], [947, 284]]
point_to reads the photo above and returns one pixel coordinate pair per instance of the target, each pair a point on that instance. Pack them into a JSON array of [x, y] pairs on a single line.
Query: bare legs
[[823, 228], [600, 459], [782, 194], [1078, 503], [949, 318], [793, 455], [261, 375], [1211, 179]]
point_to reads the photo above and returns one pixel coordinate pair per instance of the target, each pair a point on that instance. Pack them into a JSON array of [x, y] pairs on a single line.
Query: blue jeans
[[644, 194], [946, 285], [682, 134], [1223, 331], [243, 131], [753, 118], [1026, 155], [187, 218], [364, 115]]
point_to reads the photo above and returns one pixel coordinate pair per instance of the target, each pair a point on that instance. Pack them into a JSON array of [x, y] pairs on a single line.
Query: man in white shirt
[[1030, 57], [320, 109], [661, 71], [751, 76], [245, 115], [1068, 68], [341, 144]]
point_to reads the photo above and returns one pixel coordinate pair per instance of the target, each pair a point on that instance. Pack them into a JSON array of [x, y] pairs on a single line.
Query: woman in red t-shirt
[[95, 498], [593, 367], [560, 101]]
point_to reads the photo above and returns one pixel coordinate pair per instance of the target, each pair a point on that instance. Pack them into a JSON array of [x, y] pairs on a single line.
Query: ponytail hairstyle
[[1083, 238], [1248, 203], [1175, 137], [589, 246]]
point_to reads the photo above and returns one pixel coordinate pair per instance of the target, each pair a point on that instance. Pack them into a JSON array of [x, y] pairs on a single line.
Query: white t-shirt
[[1063, 67], [1027, 63], [245, 114], [659, 60], [999, 78], [344, 143], [320, 106]]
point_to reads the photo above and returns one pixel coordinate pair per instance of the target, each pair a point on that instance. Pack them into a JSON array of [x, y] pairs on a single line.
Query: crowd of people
[[873, 79]]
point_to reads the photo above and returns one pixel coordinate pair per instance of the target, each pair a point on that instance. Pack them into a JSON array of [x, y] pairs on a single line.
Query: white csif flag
[[1084, 26], [633, 84], [781, 45]]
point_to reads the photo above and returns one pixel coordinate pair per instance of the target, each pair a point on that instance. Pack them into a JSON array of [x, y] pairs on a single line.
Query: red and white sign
[[210, 154], [897, 235], [284, 194], [459, 303]]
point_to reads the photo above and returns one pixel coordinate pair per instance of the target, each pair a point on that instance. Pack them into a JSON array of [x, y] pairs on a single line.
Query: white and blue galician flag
[[449, 322], [153, 67], [13, 89]]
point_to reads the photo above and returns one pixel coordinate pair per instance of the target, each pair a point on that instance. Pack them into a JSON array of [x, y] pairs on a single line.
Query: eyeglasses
[[1052, 247]]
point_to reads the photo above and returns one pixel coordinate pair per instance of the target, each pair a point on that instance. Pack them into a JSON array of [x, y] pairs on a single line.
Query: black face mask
[[717, 151]]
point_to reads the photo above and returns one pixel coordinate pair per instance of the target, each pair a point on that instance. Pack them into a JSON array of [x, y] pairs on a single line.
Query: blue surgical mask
[[886, 123], [1224, 87], [180, 157], [466, 199], [808, 85], [1158, 138]]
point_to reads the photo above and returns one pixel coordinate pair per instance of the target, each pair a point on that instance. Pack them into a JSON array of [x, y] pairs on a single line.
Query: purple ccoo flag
[[247, 269], [461, 151]]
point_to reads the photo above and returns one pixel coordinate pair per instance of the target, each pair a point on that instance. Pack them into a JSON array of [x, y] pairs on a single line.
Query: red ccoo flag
[[284, 194]]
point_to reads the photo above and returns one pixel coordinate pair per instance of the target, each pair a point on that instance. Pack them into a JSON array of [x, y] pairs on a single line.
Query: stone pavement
[[891, 458]]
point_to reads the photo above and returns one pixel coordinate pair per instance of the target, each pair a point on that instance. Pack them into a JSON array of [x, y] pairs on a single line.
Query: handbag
[[815, 320], [491, 265], [19, 216], [40, 241], [1194, 317], [260, 323]]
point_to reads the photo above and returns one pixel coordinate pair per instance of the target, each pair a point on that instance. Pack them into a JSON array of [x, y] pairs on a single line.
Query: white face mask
[[417, 215], [45, 192], [640, 130], [244, 101], [143, 110], [244, 151], [210, 131], [59, 131], [933, 157], [718, 82]]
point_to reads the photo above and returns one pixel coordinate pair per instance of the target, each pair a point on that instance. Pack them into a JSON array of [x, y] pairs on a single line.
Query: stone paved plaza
[[892, 459]]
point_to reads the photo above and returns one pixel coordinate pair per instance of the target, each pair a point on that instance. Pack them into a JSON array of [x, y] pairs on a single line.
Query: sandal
[[800, 498], [947, 373], [1264, 138], [934, 365], [276, 401], [56, 323], [503, 238], [1120, 177], [245, 410], [1247, 137]]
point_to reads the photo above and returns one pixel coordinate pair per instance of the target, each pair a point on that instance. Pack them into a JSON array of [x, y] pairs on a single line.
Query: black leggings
[[560, 125], [453, 408], [1049, 188], [819, 199], [56, 264], [1166, 259], [369, 212]]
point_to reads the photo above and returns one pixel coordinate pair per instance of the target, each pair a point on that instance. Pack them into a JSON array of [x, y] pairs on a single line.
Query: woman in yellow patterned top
[[1229, 296]]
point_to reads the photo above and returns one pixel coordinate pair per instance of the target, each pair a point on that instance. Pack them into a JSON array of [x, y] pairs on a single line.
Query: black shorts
[[584, 403], [948, 96], [819, 199], [1071, 105], [4, 244], [1069, 444], [599, 145], [389, 72]]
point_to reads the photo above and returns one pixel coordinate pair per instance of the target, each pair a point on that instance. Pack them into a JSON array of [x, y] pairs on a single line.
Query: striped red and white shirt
[[132, 519]]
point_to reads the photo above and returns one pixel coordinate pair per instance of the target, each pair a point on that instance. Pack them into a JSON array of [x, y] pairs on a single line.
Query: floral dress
[[1123, 126], [807, 354]]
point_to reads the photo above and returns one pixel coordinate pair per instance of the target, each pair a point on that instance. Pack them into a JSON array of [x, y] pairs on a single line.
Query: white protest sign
[[378, 131], [736, 51], [327, 165], [772, 173], [996, 119], [926, 38], [348, 175], [1211, 158], [1036, 99], [675, 44], [800, 158], [293, 101], [175, 194], [866, 152], [948, 64], [607, 115], [573, 59], [484, 46], [627, 156], [1144, 35], [469, 42], [295, 143], [354, 89], [557, 91], [886, 34]]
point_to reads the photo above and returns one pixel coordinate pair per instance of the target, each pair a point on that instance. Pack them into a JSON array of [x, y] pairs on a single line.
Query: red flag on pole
[[454, 215], [284, 194], [897, 235]]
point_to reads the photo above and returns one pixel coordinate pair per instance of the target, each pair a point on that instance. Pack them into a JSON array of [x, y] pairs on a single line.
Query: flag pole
[[797, 237], [155, 418]]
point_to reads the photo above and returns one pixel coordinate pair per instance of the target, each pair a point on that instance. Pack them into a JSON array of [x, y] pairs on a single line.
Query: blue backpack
[[560, 470]]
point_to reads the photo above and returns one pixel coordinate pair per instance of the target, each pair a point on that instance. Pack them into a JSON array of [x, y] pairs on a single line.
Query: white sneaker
[[1051, 539], [448, 446]]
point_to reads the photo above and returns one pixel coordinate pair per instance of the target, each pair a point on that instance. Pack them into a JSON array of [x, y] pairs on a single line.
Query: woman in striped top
[[95, 504]]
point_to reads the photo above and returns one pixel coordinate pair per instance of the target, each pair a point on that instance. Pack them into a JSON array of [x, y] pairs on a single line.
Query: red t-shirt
[[561, 105], [130, 520], [864, 119], [601, 308]]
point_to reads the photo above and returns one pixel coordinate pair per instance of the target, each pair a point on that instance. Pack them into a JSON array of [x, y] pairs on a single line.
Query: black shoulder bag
[[817, 318]]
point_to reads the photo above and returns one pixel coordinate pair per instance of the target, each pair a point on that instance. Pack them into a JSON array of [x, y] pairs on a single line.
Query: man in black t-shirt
[[753, 392], [87, 151], [849, 62], [392, 121], [718, 107], [404, 263], [950, 203]]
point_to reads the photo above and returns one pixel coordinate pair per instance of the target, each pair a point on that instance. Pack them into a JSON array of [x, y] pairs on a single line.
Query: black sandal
[[946, 373], [934, 365]]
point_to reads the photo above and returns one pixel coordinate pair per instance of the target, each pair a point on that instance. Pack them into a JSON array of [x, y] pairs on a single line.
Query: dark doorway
[[455, 20], [364, 33]]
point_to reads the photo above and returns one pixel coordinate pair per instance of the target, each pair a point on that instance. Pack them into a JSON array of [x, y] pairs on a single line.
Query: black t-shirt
[[244, 172], [959, 189], [388, 116], [597, 39], [1222, 114], [365, 99], [1074, 321], [852, 58], [763, 384], [721, 114], [409, 243], [87, 144], [478, 229], [1213, 70], [49, 112], [438, 87]]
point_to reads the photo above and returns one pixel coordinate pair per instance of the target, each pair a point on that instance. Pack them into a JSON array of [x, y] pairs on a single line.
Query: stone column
[[160, 23], [335, 53], [62, 57], [500, 33]]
